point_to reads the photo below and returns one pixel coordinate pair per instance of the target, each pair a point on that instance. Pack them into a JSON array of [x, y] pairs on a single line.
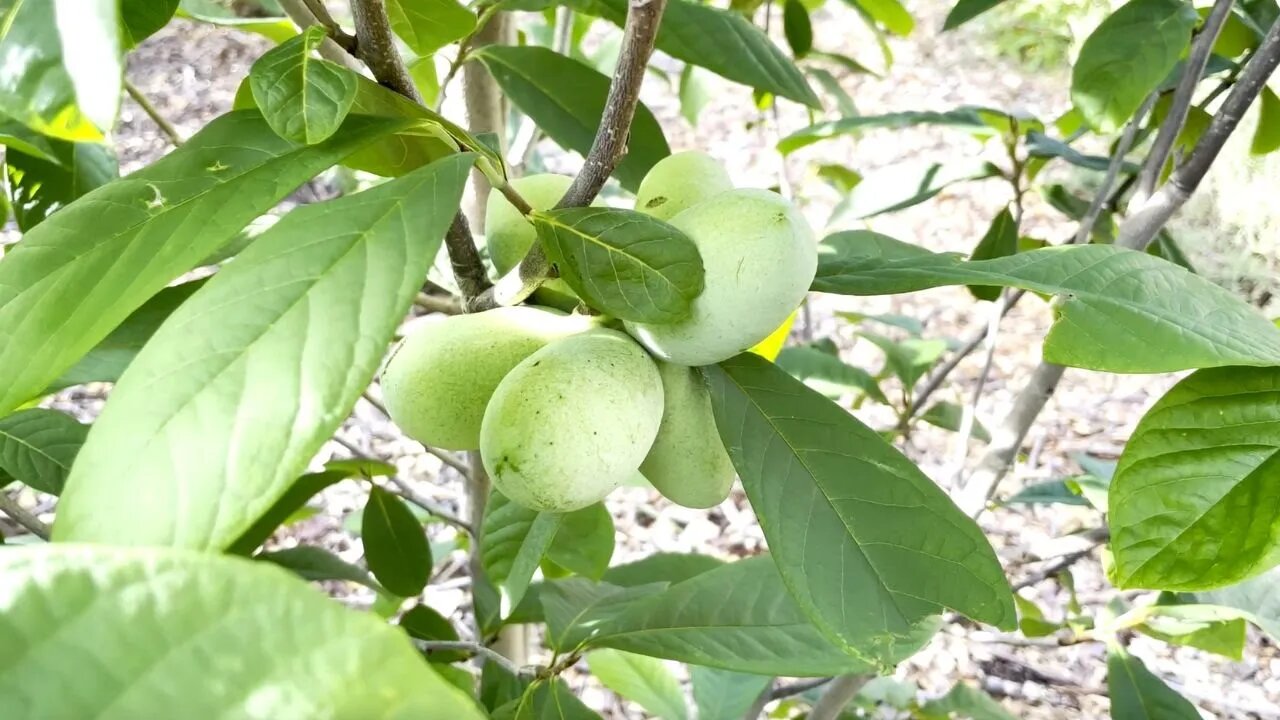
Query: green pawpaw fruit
[[687, 462], [680, 181]]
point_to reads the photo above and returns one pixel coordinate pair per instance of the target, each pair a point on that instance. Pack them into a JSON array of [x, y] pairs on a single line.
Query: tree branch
[[300, 13], [1192, 72], [464, 257], [607, 150], [377, 46], [19, 514], [475, 649], [161, 121]]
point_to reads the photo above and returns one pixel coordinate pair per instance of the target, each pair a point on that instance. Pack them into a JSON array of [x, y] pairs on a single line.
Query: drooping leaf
[[424, 623], [1194, 502], [111, 250], [1258, 597], [949, 416], [965, 10], [1040, 145], [738, 617], [38, 188], [695, 93], [428, 25], [724, 694], [1137, 694], [797, 27], [904, 185], [37, 447], [1052, 492], [513, 540], [315, 563], [867, 545], [395, 545], [293, 499], [62, 66], [908, 359], [584, 541], [644, 680], [304, 98], [889, 13], [549, 700], [157, 616], [966, 118], [1211, 628], [828, 374], [575, 608], [316, 300], [1126, 56], [1000, 240], [1266, 137], [1171, 319], [566, 99], [628, 264], [140, 19]]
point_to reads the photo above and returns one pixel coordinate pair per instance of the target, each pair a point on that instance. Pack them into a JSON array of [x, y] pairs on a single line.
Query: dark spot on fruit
[[655, 202]]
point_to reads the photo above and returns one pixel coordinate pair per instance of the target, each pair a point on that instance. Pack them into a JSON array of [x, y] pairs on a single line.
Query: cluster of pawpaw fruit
[[565, 408]]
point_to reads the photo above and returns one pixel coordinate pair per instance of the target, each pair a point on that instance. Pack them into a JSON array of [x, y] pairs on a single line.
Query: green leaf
[[37, 447], [889, 13], [513, 541], [965, 10], [584, 541], [316, 563], [964, 700], [1053, 492], [723, 694], [828, 374], [1137, 694], [1189, 506], [1266, 137], [566, 99], [1000, 240], [62, 66], [949, 416], [904, 185], [966, 118], [111, 250], [867, 545], [575, 608], [1031, 621], [157, 616], [304, 98], [643, 680], [424, 623], [19, 137], [1215, 629], [661, 567], [1126, 57], [140, 19], [798, 28], [1117, 310], [738, 617], [548, 700], [317, 299], [908, 359], [1040, 145], [1258, 597], [395, 545], [695, 92], [38, 188], [628, 264], [294, 499], [498, 686], [277, 29], [844, 103], [428, 25]]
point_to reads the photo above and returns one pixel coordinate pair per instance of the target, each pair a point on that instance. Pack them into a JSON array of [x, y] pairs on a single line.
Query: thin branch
[[345, 40], [165, 126], [1123, 145], [607, 150], [377, 45], [1141, 226], [300, 13], [464, 257], [19, 514], [841, 691], [406, 491], [1192, 72], [445, 305], [970, 418], [796, 688], [477, 501], [1056, 566], [473, 648]]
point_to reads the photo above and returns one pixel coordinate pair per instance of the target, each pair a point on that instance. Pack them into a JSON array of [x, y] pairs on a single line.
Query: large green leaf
[[428, 25], [62, 65], [966, 118], [628, 264], [584, 542], [661, 567], [566, 99], [1126, 57], [513, 541], [866, 544], [38, 188], [1193, 504], [828, 374], [182, 631], [304, 98], [37, 447], [738, 617], [80, 273], [965, 10], [644, 680], [139, 19], [724, 694], [548, 700], [1137, 694], [395, 545], [1117, 310], [213, 420], [17, 136], [575, 608]]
